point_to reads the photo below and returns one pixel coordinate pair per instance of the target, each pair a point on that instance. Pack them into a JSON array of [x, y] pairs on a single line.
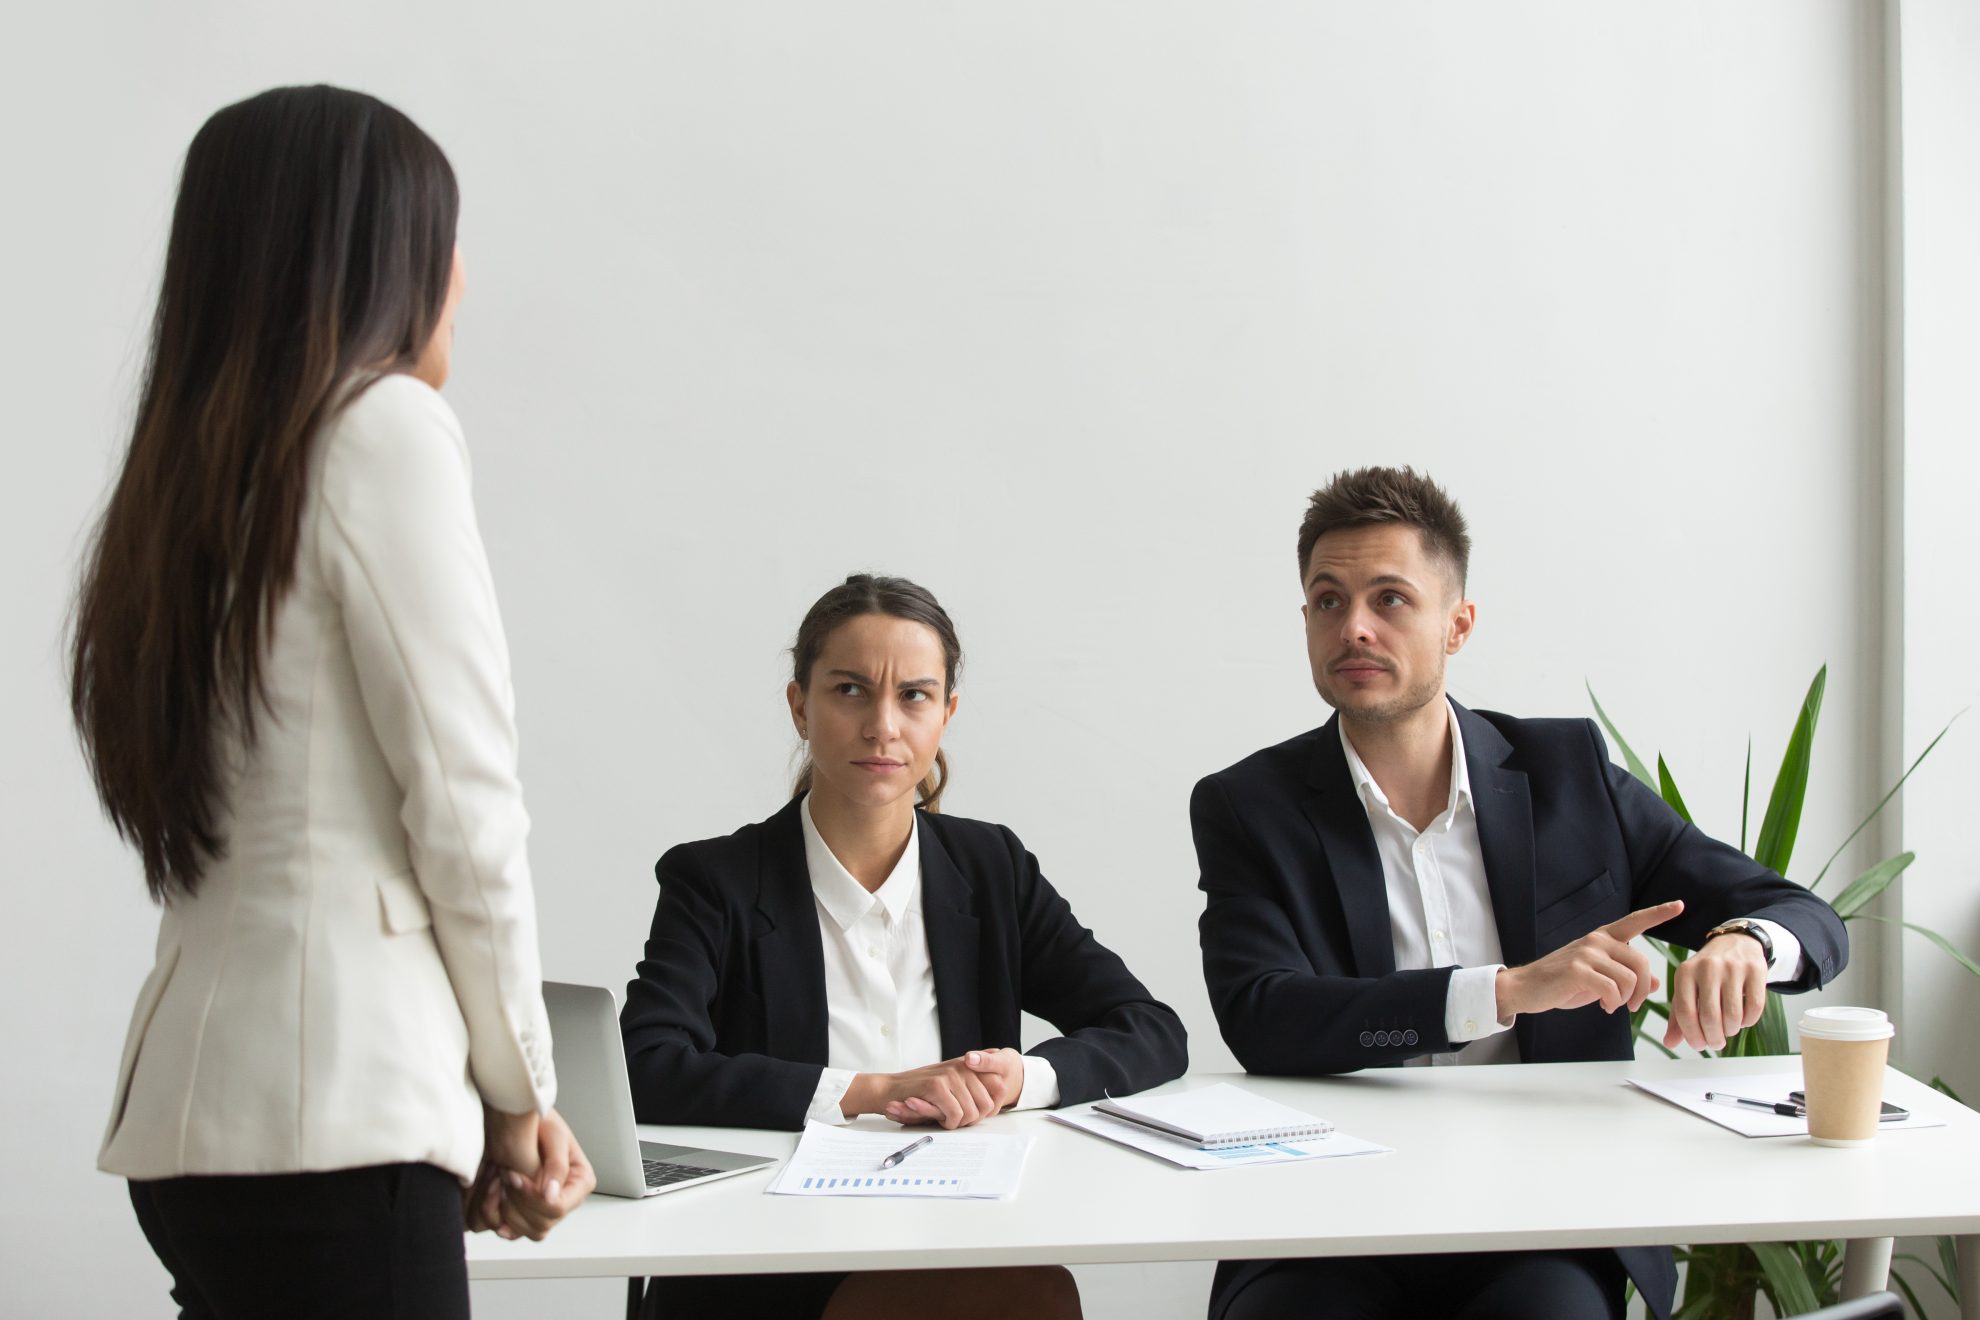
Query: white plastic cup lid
[[1847, 1024]]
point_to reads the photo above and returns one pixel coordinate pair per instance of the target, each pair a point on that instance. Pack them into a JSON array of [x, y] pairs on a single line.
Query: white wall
[[1059, 309], [1941, 472]]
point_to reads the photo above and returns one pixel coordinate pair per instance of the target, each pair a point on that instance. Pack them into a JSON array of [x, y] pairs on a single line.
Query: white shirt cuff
[[1471, 1007], [833, 1084], [1787, 951], [1041, 1084]]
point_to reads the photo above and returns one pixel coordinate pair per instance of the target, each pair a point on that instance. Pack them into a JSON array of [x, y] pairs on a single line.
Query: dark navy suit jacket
[[1298, 950], [726, 1023]]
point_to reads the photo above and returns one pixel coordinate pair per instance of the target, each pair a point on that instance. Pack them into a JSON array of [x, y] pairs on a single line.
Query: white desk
[[1547, 1155]]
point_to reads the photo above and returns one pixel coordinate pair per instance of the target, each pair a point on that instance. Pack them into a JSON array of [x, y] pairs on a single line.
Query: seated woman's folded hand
[[953, 1093]]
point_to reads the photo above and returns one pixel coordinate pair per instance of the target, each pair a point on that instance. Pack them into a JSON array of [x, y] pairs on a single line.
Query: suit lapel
[[790, 958], [1504, 807], [1342, 823], [954, 945]]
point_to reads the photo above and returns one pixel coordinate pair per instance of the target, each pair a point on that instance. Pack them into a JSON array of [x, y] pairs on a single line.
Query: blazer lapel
[[1504, 807], [790, 958], [1342, 823], [954, 946]]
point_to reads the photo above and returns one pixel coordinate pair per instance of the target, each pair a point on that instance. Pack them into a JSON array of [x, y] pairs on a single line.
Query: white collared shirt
[[1440, 909], [879, 979]]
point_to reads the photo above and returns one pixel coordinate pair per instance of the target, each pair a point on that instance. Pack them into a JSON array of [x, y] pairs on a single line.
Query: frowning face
[[874, 710]]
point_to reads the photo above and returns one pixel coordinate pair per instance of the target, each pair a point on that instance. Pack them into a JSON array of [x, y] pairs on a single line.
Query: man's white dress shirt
[[1440, 909], [879, 979]]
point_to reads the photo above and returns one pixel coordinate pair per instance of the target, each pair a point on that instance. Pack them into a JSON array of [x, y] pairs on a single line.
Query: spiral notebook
[[1211, 1117]]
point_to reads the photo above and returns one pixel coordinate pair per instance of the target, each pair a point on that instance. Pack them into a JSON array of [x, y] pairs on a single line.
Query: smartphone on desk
[[1891, 1113]]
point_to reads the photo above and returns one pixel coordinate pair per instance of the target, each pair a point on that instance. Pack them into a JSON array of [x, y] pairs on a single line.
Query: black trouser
[[385, 1241], [1511, 1285]]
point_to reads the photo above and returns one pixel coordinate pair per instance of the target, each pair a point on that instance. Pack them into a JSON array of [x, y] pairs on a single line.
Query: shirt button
[[872, 952], [886, 1030], [1470, 1028]]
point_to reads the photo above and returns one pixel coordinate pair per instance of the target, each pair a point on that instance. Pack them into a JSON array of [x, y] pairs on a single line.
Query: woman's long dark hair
[[860, 595], [311, 250]]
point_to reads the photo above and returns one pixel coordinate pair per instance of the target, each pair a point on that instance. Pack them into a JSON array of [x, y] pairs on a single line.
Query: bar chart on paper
[[833, 1161], [824, 1184]]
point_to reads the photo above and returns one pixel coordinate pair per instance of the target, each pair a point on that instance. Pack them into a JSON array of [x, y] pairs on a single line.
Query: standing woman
[[292, 689], [860, 953]]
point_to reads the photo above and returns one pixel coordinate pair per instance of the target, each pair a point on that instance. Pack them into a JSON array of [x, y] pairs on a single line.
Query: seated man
[[1417, 883]]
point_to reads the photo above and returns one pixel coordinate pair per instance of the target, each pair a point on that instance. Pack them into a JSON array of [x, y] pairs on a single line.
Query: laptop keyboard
[[662, 1173]]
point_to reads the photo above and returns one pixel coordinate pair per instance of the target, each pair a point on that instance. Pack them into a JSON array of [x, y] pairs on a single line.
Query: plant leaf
[[1860, 891], [1746, 793], [1789, 1288], [1630, 758], [1783, 819], [1768, 1036], [1931, 935], [1910, 1297], [1931, 1270], [1876, 810], [1668, 787]]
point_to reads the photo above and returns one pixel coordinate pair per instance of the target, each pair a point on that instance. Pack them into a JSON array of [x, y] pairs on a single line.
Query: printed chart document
[[1689, 1093], [1188, 1155], [834, 1161]]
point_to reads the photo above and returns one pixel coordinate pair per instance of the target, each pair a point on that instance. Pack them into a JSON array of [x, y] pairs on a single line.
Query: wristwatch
[[1745, 926]]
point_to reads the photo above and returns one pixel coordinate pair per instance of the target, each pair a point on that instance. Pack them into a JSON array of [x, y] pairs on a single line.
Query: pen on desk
[[904, 1152], [1781, 1107]]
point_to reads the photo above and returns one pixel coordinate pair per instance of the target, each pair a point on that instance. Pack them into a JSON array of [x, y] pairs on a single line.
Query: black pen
[[1781, 1107], [904, 1152]]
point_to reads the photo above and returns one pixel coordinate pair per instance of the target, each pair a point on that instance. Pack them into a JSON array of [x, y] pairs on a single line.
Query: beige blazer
[[360, 970]]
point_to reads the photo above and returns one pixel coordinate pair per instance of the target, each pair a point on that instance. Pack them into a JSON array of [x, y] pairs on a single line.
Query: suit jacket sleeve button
[[1367, 1039]]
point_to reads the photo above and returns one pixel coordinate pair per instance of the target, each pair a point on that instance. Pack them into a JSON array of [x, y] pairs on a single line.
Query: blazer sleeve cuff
[[1787, 952]]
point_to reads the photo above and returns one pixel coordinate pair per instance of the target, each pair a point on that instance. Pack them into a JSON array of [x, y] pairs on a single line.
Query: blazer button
[[1367, 1039], [1409, 1038], [1382, 1038]]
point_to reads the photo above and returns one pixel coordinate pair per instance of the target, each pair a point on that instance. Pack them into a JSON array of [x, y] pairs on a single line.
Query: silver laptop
[[595, 1098]]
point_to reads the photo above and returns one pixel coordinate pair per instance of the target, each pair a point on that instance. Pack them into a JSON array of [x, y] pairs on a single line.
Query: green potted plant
[[1723, 1280]]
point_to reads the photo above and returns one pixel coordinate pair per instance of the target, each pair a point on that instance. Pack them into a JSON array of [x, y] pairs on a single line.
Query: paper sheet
[[1689, 1093], [833, 1161], [1186, 1156]]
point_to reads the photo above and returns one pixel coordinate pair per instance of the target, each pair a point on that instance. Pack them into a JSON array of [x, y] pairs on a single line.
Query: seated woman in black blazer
[[856, 955]]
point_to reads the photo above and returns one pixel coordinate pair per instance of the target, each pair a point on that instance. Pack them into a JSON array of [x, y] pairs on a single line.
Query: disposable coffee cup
[[1843, 1051]]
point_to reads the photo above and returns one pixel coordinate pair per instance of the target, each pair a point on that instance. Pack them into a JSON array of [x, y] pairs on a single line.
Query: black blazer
[[726, 1023], [1298, 950]]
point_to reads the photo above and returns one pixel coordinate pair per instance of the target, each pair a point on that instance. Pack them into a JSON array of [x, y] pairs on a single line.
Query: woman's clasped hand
[[532, 1174], [954, 1093]]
